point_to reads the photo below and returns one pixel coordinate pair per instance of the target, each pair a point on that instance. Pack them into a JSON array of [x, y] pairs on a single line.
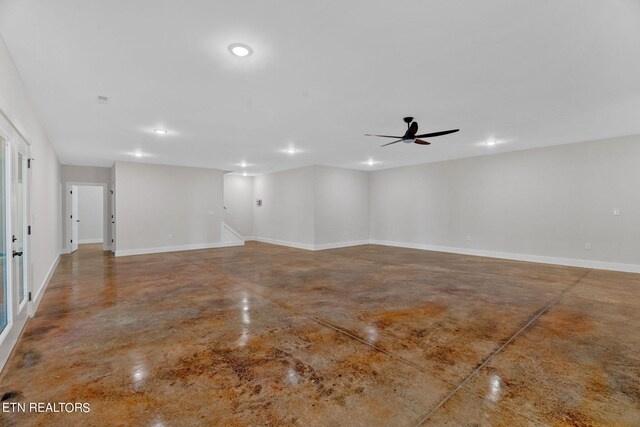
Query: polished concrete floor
[[363, 336]]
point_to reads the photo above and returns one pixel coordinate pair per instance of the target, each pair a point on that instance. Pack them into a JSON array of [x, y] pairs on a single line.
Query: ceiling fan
[[410, 134]]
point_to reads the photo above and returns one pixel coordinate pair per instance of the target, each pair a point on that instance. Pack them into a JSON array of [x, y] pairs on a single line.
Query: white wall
[[238, 201], [314, 207], [72, 174], [165, 208], [17, 114], [90, 214], [341, 206], [45, 172], [287, 212], [547, 202]]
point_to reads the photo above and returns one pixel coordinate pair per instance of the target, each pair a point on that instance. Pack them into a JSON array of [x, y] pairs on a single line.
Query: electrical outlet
[[616, 211], [587, 246]]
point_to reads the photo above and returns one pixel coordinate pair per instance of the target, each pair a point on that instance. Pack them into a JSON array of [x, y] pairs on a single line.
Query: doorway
[[86, 219]]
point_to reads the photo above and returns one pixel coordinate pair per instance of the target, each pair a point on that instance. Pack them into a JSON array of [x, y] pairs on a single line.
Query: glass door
[[4, 291], [14, 261], [19, 229]]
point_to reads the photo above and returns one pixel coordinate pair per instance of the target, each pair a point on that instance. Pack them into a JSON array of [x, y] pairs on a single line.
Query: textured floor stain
[[361, 336]]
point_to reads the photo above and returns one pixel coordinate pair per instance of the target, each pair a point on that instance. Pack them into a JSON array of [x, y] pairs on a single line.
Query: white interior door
[[5, 291], [74, 218]]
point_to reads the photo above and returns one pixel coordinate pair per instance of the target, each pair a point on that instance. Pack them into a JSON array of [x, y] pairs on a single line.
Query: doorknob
[[15, 253]]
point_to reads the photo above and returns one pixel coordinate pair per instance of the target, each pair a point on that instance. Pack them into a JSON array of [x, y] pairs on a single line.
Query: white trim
[[45, 283], [11, 333], [571, 262], [232, 231], [307, 246], [9, 339], [14, 127], [179, 248], [106, 213], [338, 245], [296, 245], [87, 241]]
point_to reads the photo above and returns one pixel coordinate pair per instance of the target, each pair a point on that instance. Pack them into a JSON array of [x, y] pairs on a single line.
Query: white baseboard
[[296, 245], [570, 262], [87, 241], [178, 248], [338, 245], [309, 247], [45, 283]]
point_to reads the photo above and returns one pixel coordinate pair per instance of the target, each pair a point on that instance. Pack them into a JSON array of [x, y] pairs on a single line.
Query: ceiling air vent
[[101, 99]]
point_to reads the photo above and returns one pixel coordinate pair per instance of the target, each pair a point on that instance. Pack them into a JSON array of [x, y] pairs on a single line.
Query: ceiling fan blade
[[389, 143], [432, 134], [421, 142], [382, 136]]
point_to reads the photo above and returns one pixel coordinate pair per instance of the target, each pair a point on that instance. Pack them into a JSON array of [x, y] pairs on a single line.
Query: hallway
[[368, 335]]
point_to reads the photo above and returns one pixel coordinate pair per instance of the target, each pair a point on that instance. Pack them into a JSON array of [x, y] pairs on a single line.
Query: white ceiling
[[323, 73]]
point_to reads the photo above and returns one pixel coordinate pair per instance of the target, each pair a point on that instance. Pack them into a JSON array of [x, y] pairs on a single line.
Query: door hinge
[[111, 191], [29, 230], [71, 240], [29, 296], [71, 192], [111, 240], [71, 216], [28, 163]]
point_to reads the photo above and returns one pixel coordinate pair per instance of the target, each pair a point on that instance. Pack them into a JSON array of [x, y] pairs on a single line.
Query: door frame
[[73, 218], [8, 329], [106, 230], [17, 314]]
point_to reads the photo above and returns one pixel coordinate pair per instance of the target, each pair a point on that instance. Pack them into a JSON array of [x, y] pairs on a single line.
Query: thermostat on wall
[[259, 203]]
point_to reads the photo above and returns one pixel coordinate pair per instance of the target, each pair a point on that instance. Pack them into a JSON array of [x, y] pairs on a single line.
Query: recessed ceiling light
[[160, 131], [371, 162], [291, 150], [240, 49], [490, 142], [243, 164], [244, 174], [137, 154]]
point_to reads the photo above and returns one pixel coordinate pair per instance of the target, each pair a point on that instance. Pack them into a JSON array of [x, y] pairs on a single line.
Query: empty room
[[287, 213]]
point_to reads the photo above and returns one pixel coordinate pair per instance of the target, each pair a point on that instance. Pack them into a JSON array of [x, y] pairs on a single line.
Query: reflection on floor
[[369, 335]]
